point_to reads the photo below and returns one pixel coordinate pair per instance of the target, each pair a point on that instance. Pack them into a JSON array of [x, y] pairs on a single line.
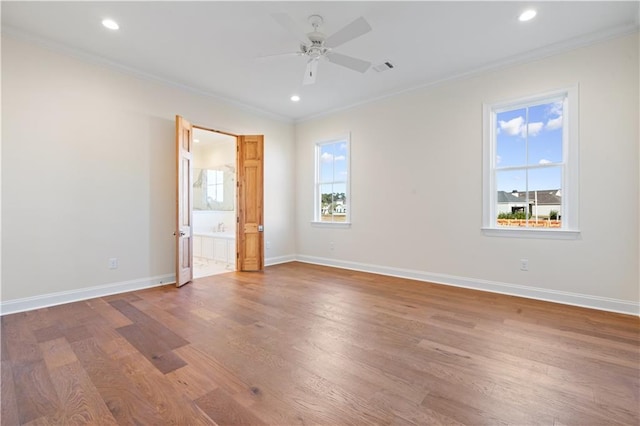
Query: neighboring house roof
[[547, 196], [507, 197]]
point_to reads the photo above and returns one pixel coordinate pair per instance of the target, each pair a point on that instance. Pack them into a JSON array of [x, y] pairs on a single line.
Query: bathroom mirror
[[214, 189]]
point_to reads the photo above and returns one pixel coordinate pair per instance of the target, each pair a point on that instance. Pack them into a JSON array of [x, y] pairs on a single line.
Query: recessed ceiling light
[[295, 98], [111, 24], [196, 140], [527, 15]]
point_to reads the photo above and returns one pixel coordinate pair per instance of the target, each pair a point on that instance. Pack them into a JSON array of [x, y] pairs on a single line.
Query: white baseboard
[[567, 298], [59, 298], [280, 259]]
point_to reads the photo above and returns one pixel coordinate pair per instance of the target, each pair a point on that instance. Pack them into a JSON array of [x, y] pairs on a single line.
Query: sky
[[529, 136]]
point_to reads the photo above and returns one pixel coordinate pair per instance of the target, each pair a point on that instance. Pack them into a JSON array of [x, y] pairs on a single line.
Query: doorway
[[249, 243], [214, 202]]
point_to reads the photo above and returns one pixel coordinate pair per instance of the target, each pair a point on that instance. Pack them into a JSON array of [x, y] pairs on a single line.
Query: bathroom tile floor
[[204, 267]]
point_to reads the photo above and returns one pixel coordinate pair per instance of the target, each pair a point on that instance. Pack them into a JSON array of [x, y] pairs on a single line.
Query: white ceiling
[[212, 47]]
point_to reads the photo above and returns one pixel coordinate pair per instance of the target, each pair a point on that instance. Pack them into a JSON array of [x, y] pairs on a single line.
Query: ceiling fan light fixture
[[527, 15]]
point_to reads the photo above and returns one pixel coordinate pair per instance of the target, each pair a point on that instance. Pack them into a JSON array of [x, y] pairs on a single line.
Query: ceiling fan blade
[[290, 25], [349, 62], [310, 72], [355, 29]]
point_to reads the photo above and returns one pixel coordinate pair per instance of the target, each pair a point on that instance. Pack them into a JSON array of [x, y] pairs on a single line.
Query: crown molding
[[54, 46]]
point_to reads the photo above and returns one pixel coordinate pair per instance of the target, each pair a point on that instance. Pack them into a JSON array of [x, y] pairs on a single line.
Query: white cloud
[[554, 123], [327, 157], [513, 126], [516, 126], [544, 161], [533, 128], [498, 159], [343, 146], [555, 109]]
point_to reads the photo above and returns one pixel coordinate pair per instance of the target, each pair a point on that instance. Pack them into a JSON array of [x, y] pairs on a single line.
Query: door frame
[[235, 201], [239, 175]]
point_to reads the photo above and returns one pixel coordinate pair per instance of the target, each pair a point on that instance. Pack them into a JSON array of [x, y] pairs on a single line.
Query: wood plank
[[155, 350], [80, 400], [35, 394], [8, 402], [174, 407], [114, 317], [57, 353], [115, 388], [168, 337], [224, 410]]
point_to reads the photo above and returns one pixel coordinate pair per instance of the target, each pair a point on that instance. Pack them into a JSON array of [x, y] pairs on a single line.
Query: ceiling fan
[[316, 46]]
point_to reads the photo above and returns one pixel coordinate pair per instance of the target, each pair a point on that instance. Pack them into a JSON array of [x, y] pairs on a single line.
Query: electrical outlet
[[331, 246], [524, 264], [268, 245], [113, 263]]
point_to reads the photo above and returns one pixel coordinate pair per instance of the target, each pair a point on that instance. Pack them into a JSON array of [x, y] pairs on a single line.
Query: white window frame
[[570, 177], [317, 220]]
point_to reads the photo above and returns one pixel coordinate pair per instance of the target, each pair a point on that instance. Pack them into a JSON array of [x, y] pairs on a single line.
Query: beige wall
[[88, 172], [417, 183]]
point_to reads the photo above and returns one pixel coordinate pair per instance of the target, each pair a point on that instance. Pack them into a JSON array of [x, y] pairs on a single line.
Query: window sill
[[344, 225], [551, 234]]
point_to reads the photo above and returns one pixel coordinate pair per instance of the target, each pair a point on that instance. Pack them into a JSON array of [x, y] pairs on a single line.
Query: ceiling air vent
[[385, 66]]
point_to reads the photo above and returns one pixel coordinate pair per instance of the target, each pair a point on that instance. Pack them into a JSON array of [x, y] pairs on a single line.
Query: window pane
[[326, 203], [511, 149], [340, 163], [511, 199], [545, 133], [327, 160], [545, 192], [340, 202], [511, 180]]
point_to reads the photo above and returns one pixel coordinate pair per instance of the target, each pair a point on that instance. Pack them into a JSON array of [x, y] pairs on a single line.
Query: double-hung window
[[530, 168], [332, 202]]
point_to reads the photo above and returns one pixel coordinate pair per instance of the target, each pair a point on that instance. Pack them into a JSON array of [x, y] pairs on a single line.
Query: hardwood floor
[[304, 344]]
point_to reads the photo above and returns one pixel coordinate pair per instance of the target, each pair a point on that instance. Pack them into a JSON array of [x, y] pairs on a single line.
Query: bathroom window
[[332, 200], [530, 166], [215, 185]]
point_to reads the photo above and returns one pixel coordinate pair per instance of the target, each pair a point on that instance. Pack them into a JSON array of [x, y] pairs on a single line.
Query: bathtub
[[216, 246]]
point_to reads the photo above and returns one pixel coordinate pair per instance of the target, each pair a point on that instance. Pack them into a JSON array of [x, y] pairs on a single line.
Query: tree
[[330, 200]]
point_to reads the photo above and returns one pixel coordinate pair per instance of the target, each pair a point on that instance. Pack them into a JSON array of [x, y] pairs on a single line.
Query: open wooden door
[[184, 214], [250, 241]]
